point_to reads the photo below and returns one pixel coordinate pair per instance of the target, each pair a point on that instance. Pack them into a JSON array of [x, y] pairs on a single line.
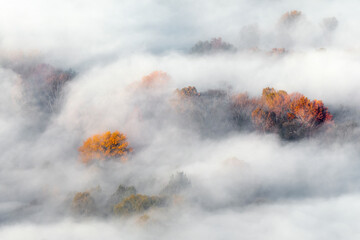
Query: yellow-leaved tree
[[105, 146]]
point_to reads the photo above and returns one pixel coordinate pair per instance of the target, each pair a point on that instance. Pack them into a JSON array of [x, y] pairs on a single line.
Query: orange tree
[[155, 79], [105, 146]]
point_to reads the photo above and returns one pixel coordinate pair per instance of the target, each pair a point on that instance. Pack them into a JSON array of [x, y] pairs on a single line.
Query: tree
[[187, 92], [329, 24], [185, 99], [206, 112], [42, 84], [309, 113], [83, 204], [155, 79], [105, 146], [241, 108], [178, 183], [289, 19], [138, 203]]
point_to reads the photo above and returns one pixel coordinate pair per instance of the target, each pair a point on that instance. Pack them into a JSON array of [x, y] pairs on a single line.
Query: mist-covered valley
[[179, 119]]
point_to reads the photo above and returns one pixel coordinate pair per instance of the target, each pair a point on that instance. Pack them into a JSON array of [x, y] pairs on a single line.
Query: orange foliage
[[310, 113], [187, 92], [155, 79], [104, 146], [277, 101], [290, 18], [185, 99], [278, 51], [279, 111]]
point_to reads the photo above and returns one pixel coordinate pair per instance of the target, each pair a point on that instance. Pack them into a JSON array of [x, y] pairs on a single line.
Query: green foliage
[[121, 193], [138, 203]]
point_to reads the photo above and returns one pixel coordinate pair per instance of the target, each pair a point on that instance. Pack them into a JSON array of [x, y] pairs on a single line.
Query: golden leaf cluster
[[105, 146]]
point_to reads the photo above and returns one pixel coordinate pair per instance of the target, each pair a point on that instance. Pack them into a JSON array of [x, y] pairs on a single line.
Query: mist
[[73, 69]]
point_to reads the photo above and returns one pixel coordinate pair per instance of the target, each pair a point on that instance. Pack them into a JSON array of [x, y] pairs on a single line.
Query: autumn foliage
[[290, 115], [288, 19], [155, 79], [105, 146]]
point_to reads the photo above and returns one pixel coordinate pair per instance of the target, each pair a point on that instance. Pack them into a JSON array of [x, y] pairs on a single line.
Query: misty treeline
[[286, 31], [41, 84], [126, 201], [216, 112], [211, 113]]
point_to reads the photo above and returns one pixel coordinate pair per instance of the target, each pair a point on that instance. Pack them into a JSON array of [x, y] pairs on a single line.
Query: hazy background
[[243, 184]]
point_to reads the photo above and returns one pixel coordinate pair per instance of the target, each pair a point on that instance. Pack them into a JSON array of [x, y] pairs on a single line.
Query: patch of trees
[[42, 84], [126, 201], [105, 146], [207, 111], [121, 193], [138, 203], [215, 45], [292, 116], [178, 183]]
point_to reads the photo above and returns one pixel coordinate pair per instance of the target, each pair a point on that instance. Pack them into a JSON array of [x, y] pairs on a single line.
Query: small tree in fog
[[206, 112], [330, 24], [105, 146], [178, 183], [290, 19], [83, 204], [155, 79], [43, 84]]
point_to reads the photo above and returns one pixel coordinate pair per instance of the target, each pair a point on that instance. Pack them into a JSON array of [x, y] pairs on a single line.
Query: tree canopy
[[105, 146]]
